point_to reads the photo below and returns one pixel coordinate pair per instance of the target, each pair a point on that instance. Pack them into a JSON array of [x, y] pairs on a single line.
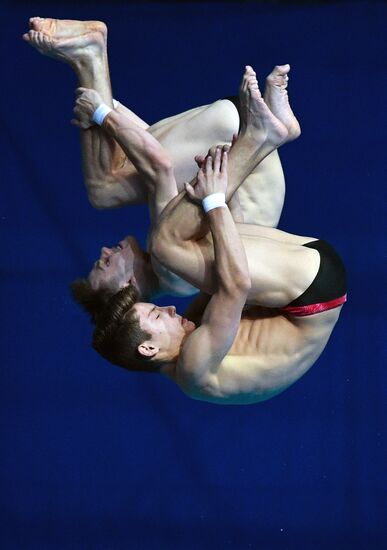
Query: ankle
[[88, 68]]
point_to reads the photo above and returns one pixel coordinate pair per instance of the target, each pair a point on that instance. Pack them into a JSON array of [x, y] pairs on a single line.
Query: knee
[[99, 195], [225, 119], [229, 115], [99, 201], [163, 164]]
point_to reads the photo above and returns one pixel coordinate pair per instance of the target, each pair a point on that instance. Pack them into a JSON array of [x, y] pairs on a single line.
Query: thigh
[[193, 133], [262, 194], [280, 271], [257, 231]]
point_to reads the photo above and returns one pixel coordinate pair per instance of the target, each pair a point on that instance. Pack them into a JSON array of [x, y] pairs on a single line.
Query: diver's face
[[166, 327], [115, 267]]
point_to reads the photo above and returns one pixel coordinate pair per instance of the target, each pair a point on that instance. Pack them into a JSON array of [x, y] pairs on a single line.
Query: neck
[[169, 370], [147, 280]]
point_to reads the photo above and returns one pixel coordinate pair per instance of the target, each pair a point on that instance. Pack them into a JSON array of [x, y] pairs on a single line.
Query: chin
[[188, 326]]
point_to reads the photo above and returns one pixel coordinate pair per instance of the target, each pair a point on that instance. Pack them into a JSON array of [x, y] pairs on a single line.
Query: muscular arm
[[205, 348], [125, 139], [150, 159], [180, 242], [111, 179]]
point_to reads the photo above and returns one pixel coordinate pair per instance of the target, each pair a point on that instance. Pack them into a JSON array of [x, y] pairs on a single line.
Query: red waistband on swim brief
[[312, 309]]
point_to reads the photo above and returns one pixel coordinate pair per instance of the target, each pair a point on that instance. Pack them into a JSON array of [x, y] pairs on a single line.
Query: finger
[[189, 189], [81, 90], [212, 151], [209, 164], [226, 147], [223, 168], [217, 160], [199, 159], [75, 122]]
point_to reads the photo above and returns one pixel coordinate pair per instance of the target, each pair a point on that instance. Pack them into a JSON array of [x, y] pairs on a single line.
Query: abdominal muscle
[[270, 352]]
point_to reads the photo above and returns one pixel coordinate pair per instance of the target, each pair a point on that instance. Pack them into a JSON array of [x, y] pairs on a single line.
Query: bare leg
[[110, 178], [276, 97], [181, 241], [262, 194], [83, 46]]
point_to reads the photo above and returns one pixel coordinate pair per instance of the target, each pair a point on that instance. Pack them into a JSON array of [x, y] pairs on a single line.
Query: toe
[[40, 38], [34, 22], [281, 69]]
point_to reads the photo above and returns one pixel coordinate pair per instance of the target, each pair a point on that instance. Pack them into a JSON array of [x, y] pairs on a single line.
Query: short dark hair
[[118, 334], [93, 301]]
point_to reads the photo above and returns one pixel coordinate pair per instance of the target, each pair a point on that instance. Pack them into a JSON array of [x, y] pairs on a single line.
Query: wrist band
[[100, 113], [215, 200], [115, 103]]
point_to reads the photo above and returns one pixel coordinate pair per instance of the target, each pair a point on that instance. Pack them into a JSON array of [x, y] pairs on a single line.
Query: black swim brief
[[328, 289]]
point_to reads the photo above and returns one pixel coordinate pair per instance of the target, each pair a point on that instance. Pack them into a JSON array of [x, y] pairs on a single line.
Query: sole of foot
[[277, 99]]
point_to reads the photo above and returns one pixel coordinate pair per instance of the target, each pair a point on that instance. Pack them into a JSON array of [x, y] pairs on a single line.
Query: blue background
[[94, 457]]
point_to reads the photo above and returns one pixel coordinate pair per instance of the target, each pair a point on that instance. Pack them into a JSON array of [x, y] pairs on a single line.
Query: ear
[[147, 349], [132, 281]]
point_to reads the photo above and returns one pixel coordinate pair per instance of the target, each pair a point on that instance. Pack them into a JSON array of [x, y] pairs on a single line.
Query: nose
[[105, 252], [171, 310]]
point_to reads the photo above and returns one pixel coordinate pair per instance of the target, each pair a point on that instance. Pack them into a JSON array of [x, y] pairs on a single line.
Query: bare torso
[[270, 353], [280, 267]]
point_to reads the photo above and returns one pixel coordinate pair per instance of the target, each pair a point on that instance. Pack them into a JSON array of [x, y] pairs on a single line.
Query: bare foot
[[69, 50], [257, 121], [276, 97], [65, 28]]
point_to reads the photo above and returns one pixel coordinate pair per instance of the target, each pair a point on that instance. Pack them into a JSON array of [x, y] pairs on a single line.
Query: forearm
[[183, 220], [102, 156], [110, 179], [142, 149], [135, 118], [244, 157], [230, 262]]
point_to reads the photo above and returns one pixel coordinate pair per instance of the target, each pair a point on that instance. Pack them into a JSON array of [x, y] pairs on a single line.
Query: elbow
[[103, 193], [96, 192], [162, 164], [100, 201], [95, 200], [159, 245], [238, 285], [156, 156], [243, 283]]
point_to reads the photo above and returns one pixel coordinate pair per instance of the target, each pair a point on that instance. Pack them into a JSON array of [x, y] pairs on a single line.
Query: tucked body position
[[269, 300], [129, 162]]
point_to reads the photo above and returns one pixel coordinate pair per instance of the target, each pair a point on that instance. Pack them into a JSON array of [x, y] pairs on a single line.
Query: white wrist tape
[[215, 200], [100, 113], [115, 103]]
